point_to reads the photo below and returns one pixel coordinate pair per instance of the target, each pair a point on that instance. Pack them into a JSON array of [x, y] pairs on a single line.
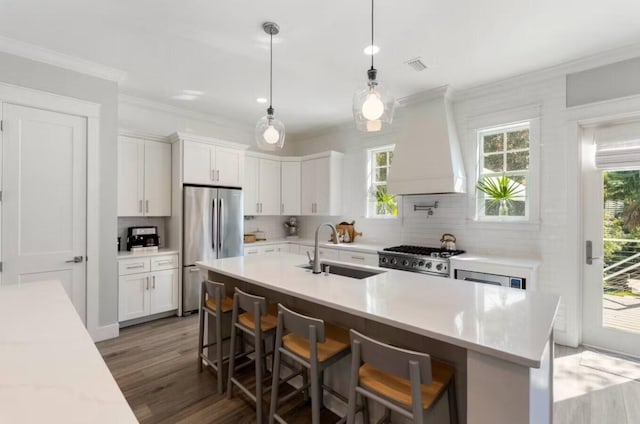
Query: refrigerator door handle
[[213, 224], [221, 229]]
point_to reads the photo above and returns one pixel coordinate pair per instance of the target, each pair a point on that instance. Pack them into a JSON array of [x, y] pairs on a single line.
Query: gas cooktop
[[427, 260]]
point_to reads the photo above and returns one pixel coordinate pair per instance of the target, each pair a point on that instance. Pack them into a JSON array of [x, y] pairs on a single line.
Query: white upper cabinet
[[157, 179], [198, 168], [290, 184], [321, 182], [210, 164], [144, 177], [261, 186]]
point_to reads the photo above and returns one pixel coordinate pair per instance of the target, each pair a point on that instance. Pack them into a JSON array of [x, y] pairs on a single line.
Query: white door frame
[[579, 117], [29, 97]]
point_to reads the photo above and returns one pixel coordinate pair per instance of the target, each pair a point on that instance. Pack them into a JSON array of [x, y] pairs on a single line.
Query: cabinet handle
[[260, 207], [281, 207], [360, 258], [140, 206], [147, 205], [135, 266], [167, 262], [154, 282], [213, 175], [194, 270], [147, 283], [217, 175], [257, 207]]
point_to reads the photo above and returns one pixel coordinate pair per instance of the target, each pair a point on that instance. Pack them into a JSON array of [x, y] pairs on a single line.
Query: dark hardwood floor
[[155, 366]]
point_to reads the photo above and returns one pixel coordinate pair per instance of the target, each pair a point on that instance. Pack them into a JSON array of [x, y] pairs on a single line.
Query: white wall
[[552, 239]]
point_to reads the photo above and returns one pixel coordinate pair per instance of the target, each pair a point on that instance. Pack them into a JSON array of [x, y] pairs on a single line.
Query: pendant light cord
[[271, 69], [372, 54]]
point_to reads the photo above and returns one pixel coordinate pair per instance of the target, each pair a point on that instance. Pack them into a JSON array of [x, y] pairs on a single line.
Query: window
[[504, 161], [380, 204]]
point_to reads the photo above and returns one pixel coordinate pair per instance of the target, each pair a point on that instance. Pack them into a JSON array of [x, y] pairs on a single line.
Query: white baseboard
[[105, 332]]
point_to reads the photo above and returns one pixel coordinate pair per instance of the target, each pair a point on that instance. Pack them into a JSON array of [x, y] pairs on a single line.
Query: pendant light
[[269, 132], [373, 105]]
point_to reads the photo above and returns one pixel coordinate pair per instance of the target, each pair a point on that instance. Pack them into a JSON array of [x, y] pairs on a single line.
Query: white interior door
[[44, 199], [611, 273]]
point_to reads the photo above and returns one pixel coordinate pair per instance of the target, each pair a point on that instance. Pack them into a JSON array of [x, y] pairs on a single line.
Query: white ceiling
[[218, 47]]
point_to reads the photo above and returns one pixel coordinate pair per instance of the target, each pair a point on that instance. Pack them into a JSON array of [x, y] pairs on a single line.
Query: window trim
[[506, 118], [370, 200]]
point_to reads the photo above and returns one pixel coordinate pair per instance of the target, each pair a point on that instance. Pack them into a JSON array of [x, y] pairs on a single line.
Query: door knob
[[75, 260]]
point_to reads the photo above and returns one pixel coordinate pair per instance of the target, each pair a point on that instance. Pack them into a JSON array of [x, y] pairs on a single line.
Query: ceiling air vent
[[416, 64]]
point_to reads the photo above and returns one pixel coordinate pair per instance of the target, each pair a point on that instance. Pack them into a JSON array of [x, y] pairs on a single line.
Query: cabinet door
[[197, 164], [359, 258], [229, 166], [323, 186], [269, 187], [250, 187], [290, 192], [164, 291], [308, 187], [130, 176], [157, 179], [133, 296]]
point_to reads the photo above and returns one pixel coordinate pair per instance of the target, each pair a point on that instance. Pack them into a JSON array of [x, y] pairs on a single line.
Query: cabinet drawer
[[251, 251], [133, 266], [159, 263], [359, 258], [269, 250], [329, 254]]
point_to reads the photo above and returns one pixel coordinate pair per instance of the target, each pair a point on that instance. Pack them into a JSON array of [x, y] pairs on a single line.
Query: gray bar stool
[[312, 344], [401, 380], [259, 322], [212, 300]]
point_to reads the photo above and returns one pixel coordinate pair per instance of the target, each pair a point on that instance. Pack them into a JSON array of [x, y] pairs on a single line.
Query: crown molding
[[182, 112], [61, 60], [556, 71]]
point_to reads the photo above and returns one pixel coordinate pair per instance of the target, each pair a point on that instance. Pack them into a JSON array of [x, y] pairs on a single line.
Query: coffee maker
[[142, 237]]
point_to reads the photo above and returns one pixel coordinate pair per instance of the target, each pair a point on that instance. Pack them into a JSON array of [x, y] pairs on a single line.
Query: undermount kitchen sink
[[346, 271]]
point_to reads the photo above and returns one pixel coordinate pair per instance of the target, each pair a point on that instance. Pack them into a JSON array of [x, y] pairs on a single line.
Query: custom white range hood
[[427, 158]]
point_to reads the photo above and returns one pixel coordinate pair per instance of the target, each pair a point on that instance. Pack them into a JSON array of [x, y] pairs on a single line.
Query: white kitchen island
[[499, 339], [50, 370]]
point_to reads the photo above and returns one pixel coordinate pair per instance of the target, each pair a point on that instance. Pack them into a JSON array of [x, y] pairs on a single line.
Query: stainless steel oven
[[494, 279]]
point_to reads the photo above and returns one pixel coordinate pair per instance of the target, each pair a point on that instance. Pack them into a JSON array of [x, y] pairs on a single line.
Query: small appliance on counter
[[143, 239], [249, 238], [448, 242], [291, 227]]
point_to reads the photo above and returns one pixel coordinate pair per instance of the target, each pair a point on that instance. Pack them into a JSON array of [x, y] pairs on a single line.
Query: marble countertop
[[513, 325], [50, 369], [162, 251]]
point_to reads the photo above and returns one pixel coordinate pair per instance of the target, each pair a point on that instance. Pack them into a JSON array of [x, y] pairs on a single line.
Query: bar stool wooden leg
[[219, 355], [232, 350], [201, 339], [275, 374], [259, 361]]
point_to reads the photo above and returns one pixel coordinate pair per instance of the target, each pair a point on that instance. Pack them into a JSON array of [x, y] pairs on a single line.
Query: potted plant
[[500, 190]]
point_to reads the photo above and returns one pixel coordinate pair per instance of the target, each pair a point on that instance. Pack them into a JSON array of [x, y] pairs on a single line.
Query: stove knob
[[394, 261], [439, 267], [384, 260], [414, 264], [405, 263], [421, 263], [429, 265]]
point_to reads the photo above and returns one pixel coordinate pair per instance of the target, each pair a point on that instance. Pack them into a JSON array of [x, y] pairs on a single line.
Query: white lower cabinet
[[266, 249], [359, 258], [146, 293]]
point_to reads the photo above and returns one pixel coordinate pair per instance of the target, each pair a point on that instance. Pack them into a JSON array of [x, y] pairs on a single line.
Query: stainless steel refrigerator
[[212, 229]]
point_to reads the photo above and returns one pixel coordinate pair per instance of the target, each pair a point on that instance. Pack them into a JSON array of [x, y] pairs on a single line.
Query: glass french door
[[611, 277]]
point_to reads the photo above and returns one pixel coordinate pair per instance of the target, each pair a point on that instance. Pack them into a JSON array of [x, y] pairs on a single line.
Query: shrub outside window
[[504, 170], [380, 204]]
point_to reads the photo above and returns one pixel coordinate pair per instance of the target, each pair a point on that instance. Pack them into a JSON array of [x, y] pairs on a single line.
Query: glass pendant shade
[[373, 107], [269, 133]]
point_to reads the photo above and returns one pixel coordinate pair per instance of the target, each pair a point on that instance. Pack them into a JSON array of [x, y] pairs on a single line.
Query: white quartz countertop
[[163, 251], [512, 325], [50, 369]]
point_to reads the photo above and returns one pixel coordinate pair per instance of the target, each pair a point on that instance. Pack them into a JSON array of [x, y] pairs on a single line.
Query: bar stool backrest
[[247, 302], [212, 290], [393, 360], [301, 325]]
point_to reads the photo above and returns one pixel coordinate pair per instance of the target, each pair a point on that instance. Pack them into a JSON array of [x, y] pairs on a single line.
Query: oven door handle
[[476, 280]]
